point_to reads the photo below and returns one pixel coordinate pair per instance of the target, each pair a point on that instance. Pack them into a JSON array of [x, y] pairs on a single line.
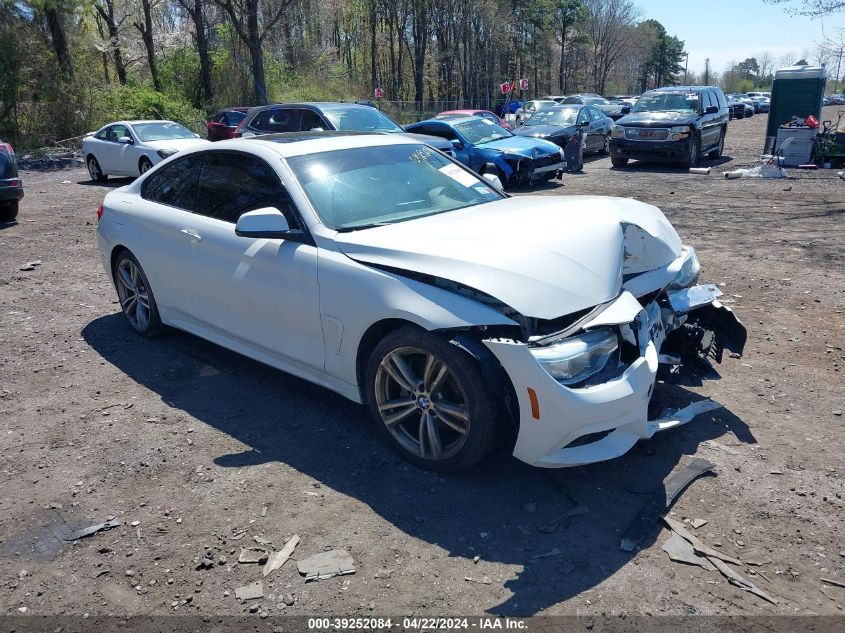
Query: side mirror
[[584, 124], [268, 223], [493, 180], [626, 109], [126, 140], [457, 144], [711, 110]]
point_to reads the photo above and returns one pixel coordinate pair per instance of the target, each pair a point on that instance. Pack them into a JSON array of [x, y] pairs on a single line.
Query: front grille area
[[646, 133]]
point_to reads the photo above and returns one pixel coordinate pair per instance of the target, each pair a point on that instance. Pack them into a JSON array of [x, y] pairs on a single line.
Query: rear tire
[[94, 170], [135, 295], [717, 153], [8, 211], [605, 150], [429, 400], [618, 162]]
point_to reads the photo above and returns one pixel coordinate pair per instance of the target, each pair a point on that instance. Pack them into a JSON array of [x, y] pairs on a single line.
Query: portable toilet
[[796, 91]]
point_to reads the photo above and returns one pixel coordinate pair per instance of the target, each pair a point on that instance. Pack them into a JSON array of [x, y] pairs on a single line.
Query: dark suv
[[11, 187], [344, 117], [677, 124]]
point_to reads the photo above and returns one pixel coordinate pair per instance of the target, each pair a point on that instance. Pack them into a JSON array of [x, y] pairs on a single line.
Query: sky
[[732, 30]]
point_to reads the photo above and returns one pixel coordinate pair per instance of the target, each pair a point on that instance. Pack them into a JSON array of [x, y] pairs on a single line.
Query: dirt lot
[[206, 450]]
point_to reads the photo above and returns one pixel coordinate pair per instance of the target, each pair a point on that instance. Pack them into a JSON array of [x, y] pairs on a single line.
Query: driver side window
[[231, 183]]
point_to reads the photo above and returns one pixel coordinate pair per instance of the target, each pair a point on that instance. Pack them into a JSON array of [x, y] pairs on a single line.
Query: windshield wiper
[[358, 227]]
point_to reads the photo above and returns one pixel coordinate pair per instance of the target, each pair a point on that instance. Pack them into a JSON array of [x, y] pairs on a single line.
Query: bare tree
[[196, 9], [145, 28], [610, 27], [252, 22], [106, 10], [812, 8]]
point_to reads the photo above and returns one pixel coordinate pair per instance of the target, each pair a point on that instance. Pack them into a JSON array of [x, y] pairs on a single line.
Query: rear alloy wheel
[[605, 150], [717, 153], [8, 211], [135, 295], [694, 153], [94, 170], [144, 165], [429, 398]]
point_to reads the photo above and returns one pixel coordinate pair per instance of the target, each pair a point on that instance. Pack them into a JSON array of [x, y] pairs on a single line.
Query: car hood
[[544, 257], [545, 131], [522, 146], [174, 143], [657, 119], [435, 141]]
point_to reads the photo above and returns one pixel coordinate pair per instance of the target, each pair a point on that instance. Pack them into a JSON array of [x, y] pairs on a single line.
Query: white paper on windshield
[[458, 175]]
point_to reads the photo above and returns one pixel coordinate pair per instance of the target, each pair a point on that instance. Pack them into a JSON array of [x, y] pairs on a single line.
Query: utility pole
[[838, 64], [707, 72], [686, 68]]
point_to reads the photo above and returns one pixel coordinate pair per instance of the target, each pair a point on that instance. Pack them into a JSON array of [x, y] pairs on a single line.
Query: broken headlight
[[166, 152], [576, 358], [679, 132], [617, 131], [690, 270]]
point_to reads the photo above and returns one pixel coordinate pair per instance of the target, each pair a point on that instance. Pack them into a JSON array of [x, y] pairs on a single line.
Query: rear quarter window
[[8, 166], [175, 184]]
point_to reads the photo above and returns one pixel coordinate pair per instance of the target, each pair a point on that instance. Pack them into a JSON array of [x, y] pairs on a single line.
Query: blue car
[[485, 147]]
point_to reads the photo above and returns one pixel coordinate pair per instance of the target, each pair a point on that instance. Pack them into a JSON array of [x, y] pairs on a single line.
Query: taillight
[[7, 147], [99, 212]]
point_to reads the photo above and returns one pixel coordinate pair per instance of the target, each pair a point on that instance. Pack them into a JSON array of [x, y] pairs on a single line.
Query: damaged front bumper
[[562, 425]]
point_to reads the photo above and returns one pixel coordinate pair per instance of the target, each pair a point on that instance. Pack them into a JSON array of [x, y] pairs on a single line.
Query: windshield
[[667, 101], [370, 186], [596, 101], [564, 117], [480, 131], [161, 131], [361, 119]]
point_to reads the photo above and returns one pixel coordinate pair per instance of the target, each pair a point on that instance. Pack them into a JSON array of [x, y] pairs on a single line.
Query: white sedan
[[383, 270], [130, 148]]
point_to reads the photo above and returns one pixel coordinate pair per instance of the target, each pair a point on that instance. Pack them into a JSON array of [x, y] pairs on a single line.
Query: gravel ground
[[198, 451]]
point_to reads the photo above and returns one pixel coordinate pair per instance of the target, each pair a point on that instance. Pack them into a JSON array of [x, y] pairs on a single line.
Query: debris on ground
[[92, 529], [277, 559], [261, 540], [484, 580], [253, 555], [335, 562], [835, 583], [701, 171], [552, 552], [698, 546], [553, 525], [251, 591], [31, 265], [740, 581], [760, 171], [681, 551], [697, 523], [661, 501]]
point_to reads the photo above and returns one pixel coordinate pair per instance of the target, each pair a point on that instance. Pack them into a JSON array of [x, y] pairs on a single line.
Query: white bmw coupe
[[130, 148], [384, 270]]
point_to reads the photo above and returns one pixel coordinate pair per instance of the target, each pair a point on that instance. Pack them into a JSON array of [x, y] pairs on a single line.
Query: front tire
[[8, 211], [618, 162], [605, 150], [135, 295], [429, 400], [144, 165], [694, 153]]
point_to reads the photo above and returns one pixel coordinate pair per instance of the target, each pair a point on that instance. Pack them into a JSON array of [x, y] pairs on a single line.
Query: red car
[[486, 114], [224, 123]]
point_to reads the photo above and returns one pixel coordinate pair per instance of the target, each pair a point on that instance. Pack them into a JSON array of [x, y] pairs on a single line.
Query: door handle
[[192, 235]]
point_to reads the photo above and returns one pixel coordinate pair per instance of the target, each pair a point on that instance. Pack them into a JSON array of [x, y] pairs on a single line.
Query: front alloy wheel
[[694, 153], [428, 396], [136, 297]]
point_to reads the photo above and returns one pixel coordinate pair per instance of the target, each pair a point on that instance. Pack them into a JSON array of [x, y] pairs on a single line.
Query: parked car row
[[679, 124]]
